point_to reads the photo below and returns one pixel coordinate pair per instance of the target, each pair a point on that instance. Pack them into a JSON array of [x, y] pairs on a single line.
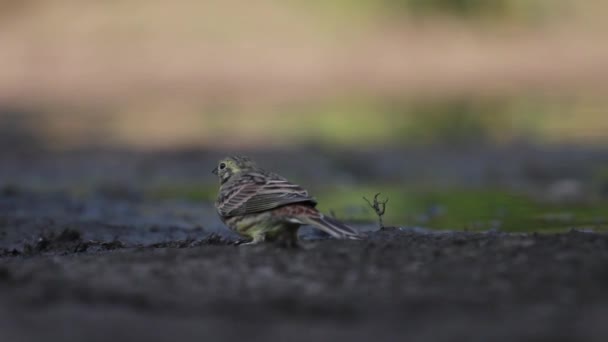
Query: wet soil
[[75, 277], [110, 263]]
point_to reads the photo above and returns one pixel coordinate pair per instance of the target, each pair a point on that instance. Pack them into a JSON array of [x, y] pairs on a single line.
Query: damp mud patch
[[396, 284]]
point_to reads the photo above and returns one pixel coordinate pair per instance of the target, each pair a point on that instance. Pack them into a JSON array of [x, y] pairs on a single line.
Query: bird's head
[[230, 166]]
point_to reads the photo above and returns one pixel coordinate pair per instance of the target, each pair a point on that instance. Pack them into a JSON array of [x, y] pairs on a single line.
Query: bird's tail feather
[[334, 228]]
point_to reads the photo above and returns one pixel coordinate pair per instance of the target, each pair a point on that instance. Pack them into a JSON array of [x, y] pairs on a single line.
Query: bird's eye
[[222, 166]]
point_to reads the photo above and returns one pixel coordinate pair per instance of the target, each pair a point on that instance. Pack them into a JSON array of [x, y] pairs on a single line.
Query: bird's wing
[[256, 192]]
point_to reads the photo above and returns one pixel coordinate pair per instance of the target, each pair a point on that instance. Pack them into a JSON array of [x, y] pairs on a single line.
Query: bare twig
[[379, 207]]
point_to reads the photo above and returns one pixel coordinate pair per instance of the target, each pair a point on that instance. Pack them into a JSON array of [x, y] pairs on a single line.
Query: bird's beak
[[214, 171]]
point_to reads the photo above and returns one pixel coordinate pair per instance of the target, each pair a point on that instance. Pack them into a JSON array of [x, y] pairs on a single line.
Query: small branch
[[379, 207]]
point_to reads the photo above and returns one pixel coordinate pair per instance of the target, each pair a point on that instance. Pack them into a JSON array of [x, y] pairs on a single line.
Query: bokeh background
[[467, 114]]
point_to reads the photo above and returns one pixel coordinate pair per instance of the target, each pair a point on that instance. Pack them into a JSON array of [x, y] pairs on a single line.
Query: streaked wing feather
[[255, 197], [264, 202]]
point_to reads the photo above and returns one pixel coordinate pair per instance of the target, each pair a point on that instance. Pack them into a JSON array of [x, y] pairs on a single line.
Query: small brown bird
[[267, 207]]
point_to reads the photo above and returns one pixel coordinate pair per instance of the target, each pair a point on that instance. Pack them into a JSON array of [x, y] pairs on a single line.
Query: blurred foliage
[[458, 122], [600, 180], [475, 8], [186, 117], [346, 123], [463, 9], [451, 209], [459, 7], [474, 210]]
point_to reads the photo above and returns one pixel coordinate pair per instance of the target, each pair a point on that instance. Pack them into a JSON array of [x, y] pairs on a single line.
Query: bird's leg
[[257, 238]]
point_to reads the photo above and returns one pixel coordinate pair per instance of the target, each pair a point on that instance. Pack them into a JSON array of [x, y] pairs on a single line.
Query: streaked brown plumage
[[265, 206]]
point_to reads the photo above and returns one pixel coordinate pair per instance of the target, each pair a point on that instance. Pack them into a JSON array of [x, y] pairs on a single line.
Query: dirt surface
[[68, 275]]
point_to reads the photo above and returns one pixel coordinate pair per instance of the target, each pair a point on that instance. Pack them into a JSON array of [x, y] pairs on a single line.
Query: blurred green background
[[152, 74], [375, 76]]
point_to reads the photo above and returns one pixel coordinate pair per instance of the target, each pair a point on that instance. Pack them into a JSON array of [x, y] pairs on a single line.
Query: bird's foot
[[254, 241]]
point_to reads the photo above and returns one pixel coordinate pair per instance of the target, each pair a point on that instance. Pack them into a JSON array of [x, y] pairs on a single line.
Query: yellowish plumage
[[265, 206]]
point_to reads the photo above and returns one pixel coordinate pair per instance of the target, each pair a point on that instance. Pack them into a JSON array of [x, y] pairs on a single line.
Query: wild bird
[[265, 206]]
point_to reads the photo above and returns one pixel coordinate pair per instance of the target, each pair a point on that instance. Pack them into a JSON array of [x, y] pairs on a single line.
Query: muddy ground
[[112, 264]]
